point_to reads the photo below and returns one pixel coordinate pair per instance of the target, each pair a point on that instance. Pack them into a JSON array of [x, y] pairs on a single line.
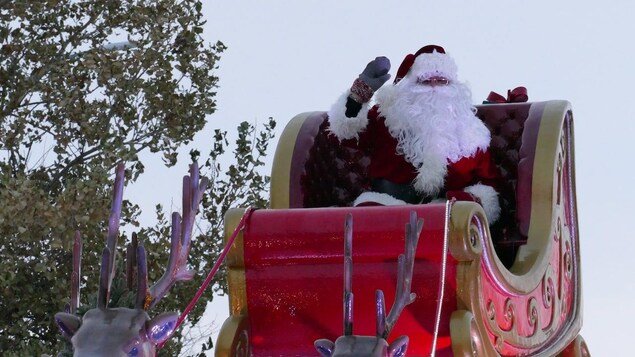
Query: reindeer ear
[[324, 347], [398, 347], [161, 327], [68, 323]]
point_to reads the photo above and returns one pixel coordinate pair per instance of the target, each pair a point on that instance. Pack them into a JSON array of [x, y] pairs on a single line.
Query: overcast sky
[[288, 57]]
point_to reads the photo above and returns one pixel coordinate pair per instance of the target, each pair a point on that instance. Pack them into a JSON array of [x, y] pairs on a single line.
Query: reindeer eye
[[134, 352], [132, 348]]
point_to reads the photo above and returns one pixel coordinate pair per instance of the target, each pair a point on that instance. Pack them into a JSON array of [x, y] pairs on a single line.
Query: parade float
[[482, 198], [510, 289]]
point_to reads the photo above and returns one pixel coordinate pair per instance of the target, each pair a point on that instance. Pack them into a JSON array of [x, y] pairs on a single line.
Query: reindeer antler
[[136, 263], [180, 244], [181, 238], [403, 296], [142, 277], [109, 253], [113, 220], [131, 261]]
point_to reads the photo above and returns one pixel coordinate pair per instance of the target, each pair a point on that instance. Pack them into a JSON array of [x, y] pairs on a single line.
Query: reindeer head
[[350, 345], [105, 331]]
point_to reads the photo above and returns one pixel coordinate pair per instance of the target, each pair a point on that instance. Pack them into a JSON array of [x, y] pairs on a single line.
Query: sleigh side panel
[[288, 291], [533, 308]]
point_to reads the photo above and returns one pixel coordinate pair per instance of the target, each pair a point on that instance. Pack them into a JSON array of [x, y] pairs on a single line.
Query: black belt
[[404, 192]]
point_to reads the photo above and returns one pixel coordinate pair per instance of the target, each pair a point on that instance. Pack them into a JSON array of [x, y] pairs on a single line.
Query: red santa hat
[[430, 60]]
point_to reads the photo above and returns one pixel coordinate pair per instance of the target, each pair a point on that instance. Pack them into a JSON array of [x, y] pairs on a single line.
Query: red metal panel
[[294, 276]]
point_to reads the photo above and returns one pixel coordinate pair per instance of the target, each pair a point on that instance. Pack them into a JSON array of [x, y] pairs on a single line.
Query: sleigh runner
[[511, 289]]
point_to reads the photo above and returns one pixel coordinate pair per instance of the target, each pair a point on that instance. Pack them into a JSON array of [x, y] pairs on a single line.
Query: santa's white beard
[[433, 126]]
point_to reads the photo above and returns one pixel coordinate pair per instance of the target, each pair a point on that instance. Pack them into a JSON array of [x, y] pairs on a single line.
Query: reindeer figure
[[350, 345], [105, 331]]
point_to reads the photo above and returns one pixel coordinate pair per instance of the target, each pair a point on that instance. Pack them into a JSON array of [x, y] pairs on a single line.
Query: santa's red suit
[[454, 156]]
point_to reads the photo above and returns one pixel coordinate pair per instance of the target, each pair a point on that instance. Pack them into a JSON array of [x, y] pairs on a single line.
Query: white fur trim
[[431, 176], [381, 198], [489, 200], [342, 126], [427, 65]]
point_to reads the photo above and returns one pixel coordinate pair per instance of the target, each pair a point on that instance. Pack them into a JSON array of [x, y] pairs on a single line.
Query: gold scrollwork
[[466, 240], [550, 301], [548, 291], [491, 310], [563, 146], [533, 318], [567, 260], [510, 314], [561, 155], [476, 235], [562, 152]]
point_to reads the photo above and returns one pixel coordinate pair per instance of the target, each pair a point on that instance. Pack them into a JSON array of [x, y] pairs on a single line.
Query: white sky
[[288, 57]]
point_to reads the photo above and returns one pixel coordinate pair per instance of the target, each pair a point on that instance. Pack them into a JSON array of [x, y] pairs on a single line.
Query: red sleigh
[[512, 289]]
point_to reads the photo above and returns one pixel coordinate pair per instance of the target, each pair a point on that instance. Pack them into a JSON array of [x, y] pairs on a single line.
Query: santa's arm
[[348, 116], [489, 177], [485, 191]]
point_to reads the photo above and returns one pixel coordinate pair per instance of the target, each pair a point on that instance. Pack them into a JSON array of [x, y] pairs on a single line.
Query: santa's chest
[[460, 173]]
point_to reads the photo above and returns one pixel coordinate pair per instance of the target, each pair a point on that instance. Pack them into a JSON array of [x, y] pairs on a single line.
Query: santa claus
[[422, 136]]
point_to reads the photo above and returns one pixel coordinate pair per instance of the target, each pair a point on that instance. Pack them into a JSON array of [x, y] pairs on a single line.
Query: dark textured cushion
[[506, 123], [334, 175]]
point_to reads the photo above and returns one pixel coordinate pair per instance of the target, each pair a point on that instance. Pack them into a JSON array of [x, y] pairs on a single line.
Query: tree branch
[[38, 74]]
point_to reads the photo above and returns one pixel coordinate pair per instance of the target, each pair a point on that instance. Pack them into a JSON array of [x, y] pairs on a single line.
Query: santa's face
[[430, 72], [426, 92], [426, 111]]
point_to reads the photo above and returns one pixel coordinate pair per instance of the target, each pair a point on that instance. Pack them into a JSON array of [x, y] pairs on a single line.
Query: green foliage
[[239, 185], [72, 106], [63, 84]]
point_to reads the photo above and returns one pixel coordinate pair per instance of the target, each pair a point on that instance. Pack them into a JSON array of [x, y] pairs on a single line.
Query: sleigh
[[510, 289]]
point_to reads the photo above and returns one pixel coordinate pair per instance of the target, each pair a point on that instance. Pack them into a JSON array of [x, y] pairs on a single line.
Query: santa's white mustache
[[421, 92]]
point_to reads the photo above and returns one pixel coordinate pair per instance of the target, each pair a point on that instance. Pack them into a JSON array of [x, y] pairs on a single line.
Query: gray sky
[[288, 57]]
